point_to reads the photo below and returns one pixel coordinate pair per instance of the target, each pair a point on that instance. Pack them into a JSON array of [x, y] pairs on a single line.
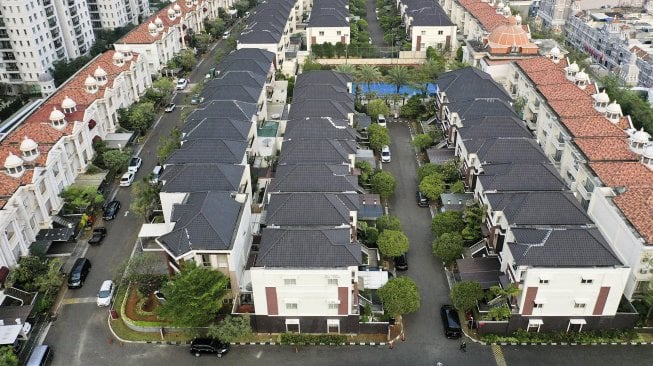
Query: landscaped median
[[604, 337]]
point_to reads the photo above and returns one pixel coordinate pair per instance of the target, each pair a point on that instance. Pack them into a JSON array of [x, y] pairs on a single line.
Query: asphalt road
[[373, 24]]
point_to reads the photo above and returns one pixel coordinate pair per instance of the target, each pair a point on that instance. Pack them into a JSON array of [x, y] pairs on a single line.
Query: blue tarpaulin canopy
[[388, 89]]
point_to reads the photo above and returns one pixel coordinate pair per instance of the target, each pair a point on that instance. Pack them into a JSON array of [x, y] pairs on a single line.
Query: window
[[332, 281], [291, 306], [289, 281], [587, 281], [338, 33], [579, 305], [544, 281], [206, 260], [321, 33], [333, 306], [538, 305], [440, 33], [423, 33]]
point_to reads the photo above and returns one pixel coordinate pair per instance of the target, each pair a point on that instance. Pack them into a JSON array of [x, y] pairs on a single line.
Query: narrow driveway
[[373, 24], [424, 328]]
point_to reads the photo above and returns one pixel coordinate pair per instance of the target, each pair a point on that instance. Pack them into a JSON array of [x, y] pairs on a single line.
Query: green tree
[[346, 69], [168, 144], [79, 198], [310, 65], [450, 171], [161, 91], [62, 70], [502, 312], [426, 73], [201, 41], [457, 65], [116, 160], [376, 107], [458, 187], [378, 136], [448, 247], [388, 222], [35, 274], [459, 54], [473, 218], [400, 296], [145, 198], [422, 141], [465, 295], [143, 271], [365, 171], [139, 117], [328, 50], [194, 296], [413, 108], [392, 243], [341, 50], [426, 170], [7, 356], [215, 27], [231, 328], [187, 60], [383, 183], [399, 76], [368, 74], [447, 222], [432, 186]]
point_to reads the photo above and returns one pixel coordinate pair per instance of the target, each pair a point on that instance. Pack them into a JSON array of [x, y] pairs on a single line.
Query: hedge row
[[303, 339]]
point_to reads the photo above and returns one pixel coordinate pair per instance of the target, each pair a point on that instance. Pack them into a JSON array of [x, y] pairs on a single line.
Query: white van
[[40, 356], [385, 154], [156, 174], [382, 121]]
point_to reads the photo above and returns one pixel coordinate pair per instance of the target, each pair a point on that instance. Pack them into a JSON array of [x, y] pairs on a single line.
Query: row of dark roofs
[[314, 191], [329, 13], [267, 22], [549, 226], [426, 13], [210, 164]]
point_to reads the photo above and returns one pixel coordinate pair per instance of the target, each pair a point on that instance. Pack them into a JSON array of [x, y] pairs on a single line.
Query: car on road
[[450, 322], [170, 108], [105, 293], [382, 121], [181, 84], [98, 235], [196, 99], [127, 179], [225, 35], [401, 263], [199, 346], [134, 164], [78, 273], [385, 154], [111, 210], [422, 200]]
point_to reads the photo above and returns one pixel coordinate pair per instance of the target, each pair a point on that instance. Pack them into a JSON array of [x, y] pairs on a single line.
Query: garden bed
[[138, 308]]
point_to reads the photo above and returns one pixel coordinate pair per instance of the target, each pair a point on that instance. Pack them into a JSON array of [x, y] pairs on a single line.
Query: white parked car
[[105, 294], [181, 84], [385, 154], [134, 164], [127, 179]]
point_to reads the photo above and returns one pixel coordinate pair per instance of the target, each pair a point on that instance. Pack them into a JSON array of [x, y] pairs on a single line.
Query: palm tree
[[399, 76], [426, 74], [368, 74], [346, 69]]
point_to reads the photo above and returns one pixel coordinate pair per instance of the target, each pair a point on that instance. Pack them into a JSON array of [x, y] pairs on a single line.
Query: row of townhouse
[[475, 19], [328, 23], [206, 185], [603, 160], [544, 241], [51, 147], [309, 268], [427, 25]]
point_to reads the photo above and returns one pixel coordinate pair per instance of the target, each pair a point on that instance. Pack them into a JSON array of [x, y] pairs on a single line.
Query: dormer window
[[16, 170], [101, 79], [69, 110], [59, 123], [189, 3]]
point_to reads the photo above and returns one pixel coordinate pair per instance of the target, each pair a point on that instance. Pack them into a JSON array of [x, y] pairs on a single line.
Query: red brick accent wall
[[531, 292], [313, 40], [344, 301], [419, 43], [271, 297], [601, 300]]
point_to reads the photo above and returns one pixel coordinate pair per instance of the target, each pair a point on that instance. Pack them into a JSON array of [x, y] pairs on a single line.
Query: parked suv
[[208, 345], [450, 322], [422, 200], [111, 210], [78, 273]]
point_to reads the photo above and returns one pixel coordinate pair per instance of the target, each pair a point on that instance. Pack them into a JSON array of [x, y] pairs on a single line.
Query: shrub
[[304, 339]]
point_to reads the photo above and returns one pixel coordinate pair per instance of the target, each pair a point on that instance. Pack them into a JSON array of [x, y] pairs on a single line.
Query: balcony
[[73, 12], [3, 33], [11, 67], [8, 56], [52, 23], [535, 106], [49, 12]]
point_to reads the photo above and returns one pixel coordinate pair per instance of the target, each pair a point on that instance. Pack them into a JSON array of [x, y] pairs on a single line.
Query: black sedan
[[111, 210], [208, 345]]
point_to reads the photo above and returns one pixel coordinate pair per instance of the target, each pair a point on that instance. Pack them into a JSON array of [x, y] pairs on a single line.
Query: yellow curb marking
[[498, 355], [78, 300]]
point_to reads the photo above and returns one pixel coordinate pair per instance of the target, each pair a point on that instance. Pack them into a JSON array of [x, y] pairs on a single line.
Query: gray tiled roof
[[253, 60], [266, 22], [427, 13], [218, 127], [205, 221], [316, 151], [209, 151], [311, 209], [478, 108], [521, 177], [506, 150], [239, 78], [323, 77], [493, 127], [202, 177], [320, 108], [571, 247], [330, 92], [370, 207], [224, 108], [308, 248], [326, 128], [318, 177], [470, 83], [329, 13], [240, 93], [539, 208]]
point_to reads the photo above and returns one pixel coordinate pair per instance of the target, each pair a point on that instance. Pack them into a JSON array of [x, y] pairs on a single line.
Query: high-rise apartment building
[[36, 33], [109, 14]]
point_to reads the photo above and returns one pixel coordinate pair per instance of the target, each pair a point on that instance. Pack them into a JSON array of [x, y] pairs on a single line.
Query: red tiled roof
[[592, 126], [566, 91], [484, 13], [606, 149], [623, 174], [141, 34], [546, 77], [569, 108], [637, 205]]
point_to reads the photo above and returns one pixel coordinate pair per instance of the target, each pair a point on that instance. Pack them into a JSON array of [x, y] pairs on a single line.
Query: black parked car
[[98, 234], [401, 263], [111, 210], [208, 345], [422, 200], [450, 322], [78, 273]]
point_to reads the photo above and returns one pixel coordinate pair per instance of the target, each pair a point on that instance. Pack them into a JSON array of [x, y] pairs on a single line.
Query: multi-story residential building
[[475, 19], [554, 13], [328, 23], [545, 243], [46, 152], [113, 14], [596, 150], [427, 25], [35, 34]]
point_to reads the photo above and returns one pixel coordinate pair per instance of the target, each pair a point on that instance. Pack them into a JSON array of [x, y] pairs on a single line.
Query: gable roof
[[324, 127], [253, 60], [224, 108], [566, 247], [323, 77], [311, 209], [539, 208], [470, 83], [209, 151], [318, 177], [202, 177], [329, 13], [205, 221], [303, 108], [308, 248], [506, 150], [316, 151], [477, 108], [216, 127], [493, 127], [507, 177]]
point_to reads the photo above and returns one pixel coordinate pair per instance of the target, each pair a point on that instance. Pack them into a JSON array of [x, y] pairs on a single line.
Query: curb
[[566, 344]]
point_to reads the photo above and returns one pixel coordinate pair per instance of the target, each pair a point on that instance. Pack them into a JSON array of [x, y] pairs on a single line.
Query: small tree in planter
[[388, 222], [448, 247], [422, 141], [400, 296], [231, 328], [447, 222], [393, 243], [383, 183], [466, 294]]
